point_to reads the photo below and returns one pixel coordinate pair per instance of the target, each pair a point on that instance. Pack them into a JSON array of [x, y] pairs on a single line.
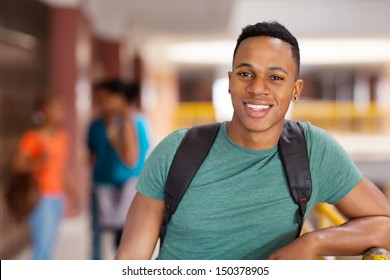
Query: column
[[106, 55], [62, 69]]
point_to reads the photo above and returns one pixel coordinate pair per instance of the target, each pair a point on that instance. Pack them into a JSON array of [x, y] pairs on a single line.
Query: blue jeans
[[44, 224]]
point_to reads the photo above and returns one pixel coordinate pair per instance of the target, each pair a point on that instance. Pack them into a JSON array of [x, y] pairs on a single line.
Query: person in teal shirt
[[238, 205], [118, 142]]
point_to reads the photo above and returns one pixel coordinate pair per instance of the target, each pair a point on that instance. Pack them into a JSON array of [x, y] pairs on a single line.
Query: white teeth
[[257, 107]]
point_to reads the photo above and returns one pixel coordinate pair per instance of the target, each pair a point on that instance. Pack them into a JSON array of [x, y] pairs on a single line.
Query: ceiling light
[[313, 51]]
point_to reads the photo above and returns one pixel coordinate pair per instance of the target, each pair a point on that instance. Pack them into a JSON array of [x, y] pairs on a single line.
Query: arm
[[23, 163], [369, 227], [142, 229], [123, 138]]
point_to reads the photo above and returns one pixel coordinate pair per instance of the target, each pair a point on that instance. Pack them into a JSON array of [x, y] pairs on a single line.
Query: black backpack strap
[[293, 152], [190, 155]]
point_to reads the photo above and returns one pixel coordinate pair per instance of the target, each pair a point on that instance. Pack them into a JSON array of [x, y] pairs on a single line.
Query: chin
[[259, 125], [257, 128]]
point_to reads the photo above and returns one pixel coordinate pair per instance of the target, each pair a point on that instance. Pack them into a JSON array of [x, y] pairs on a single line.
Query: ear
[[297, 90], [229, 76]]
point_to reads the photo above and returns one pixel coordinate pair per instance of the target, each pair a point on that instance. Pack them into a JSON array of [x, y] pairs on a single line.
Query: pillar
[[62, 69], [106, 56]]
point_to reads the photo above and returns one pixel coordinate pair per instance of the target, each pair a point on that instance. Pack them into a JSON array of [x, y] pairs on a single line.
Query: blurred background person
[[43, 151], [142, 126], [117, 143]]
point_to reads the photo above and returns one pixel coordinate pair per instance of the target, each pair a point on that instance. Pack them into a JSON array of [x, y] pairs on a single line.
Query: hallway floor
[[74, 241]]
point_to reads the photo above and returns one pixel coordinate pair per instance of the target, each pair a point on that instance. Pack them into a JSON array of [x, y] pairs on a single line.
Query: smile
[[257, 107]]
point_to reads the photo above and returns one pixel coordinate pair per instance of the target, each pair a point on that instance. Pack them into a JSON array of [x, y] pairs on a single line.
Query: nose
[[258, 86]]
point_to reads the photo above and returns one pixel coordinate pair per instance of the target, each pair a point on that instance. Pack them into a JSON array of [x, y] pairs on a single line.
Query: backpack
[[197, 143]]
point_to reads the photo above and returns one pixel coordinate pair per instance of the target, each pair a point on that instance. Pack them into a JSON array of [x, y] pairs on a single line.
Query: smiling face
[[262, 84]]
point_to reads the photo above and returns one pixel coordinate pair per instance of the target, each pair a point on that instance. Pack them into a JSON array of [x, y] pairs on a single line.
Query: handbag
[[113, 204], [22, 194]]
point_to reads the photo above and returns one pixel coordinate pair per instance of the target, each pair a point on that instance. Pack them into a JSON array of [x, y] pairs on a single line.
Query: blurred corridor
[[74, 242], [180, 52]]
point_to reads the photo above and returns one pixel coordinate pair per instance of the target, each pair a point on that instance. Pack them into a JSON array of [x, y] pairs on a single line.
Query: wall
[[23, 72]]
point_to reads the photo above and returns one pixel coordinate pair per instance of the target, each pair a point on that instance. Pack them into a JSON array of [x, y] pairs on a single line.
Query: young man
[[238, 206]]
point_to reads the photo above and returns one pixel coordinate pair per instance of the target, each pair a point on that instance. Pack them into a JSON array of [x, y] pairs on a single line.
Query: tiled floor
[[74, 241]]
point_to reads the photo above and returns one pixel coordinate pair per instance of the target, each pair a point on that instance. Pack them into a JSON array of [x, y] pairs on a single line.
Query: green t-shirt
[[238, 206]]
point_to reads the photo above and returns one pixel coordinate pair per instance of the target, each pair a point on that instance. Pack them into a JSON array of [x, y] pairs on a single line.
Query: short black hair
[[133, 91], [113, 86], [271, 29], [129, 91]]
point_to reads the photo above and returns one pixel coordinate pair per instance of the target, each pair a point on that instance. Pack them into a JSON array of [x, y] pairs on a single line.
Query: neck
[[254, 140], [49, 128]]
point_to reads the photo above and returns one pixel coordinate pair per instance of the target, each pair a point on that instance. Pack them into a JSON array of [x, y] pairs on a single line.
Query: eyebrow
[[243, 65], [271, 68]]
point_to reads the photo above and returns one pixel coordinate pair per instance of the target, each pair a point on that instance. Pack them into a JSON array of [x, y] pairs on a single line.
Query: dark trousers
[[97, 230]]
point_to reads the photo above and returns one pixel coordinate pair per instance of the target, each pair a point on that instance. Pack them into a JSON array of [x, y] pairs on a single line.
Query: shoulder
[[152, 180], [318, 137], [30, 135], [162, 155], [97, 126], [141, 122], [312, 131], [320, 141], [95, 123], [333, 171], [141, 118]]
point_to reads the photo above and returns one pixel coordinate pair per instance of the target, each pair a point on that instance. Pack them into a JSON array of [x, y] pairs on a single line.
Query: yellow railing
[[344, 115], [330, 115], [327, 214], [190, 114]]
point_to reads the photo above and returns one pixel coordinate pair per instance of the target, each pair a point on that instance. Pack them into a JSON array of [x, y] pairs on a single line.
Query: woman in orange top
[[44, 151]]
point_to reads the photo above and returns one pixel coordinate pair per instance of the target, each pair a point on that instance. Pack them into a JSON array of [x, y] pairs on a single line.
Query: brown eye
[[276, 78], [245, 74]]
